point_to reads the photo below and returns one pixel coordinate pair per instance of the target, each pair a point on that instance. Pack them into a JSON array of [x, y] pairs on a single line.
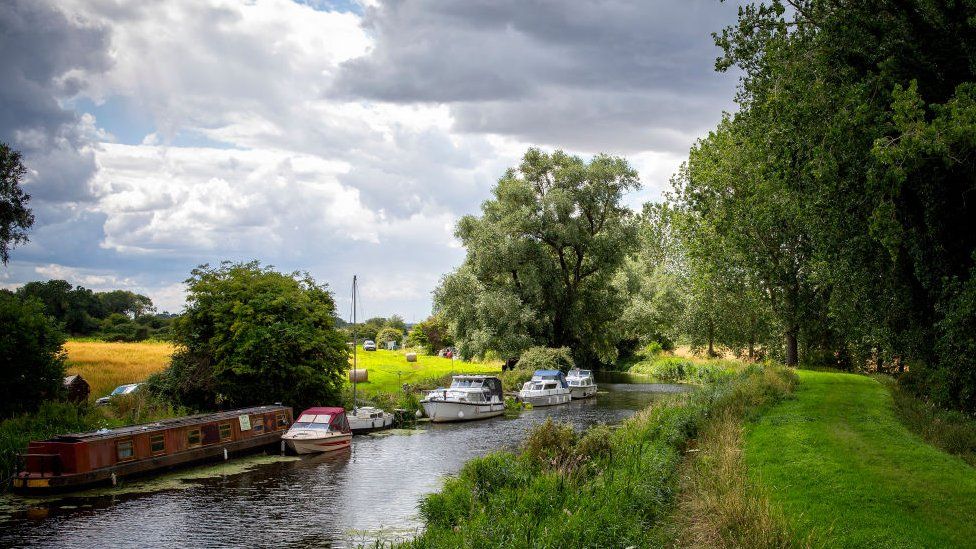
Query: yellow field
[[106, 365]]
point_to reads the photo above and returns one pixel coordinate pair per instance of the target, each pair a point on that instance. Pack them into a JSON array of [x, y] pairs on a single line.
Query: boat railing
[[45, 464]]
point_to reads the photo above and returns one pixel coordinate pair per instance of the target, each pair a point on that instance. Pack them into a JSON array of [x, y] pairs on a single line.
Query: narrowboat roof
[[164, 424], [331, 410]]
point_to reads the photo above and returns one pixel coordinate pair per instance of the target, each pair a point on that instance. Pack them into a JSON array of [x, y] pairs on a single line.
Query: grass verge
[[600, 488], [843, 469]]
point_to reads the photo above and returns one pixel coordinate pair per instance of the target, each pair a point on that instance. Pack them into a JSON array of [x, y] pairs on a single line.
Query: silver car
[[127, 389], [369, 345]]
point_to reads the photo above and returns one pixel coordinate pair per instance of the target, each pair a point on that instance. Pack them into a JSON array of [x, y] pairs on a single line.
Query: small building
[[77, 388]]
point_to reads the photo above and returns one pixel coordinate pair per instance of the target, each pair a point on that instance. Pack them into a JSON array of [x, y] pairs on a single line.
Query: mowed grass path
[[106, 365], [383, 367], [842, 468]]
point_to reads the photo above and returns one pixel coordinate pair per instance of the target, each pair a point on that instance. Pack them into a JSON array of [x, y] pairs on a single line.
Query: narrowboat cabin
[[81, 460]]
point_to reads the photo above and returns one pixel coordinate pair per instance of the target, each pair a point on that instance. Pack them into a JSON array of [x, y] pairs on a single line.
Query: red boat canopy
[[331, 410], [336, 417]]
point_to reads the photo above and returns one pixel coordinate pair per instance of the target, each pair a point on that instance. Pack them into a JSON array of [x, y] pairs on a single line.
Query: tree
[[388, 334], [31, 358], [251, 335], [15, 217], [126, 303], [541, 257], [431, 334]]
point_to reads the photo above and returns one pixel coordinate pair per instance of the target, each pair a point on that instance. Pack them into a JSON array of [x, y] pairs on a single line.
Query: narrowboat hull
[[583, 392], [441, 411], [30, 483]]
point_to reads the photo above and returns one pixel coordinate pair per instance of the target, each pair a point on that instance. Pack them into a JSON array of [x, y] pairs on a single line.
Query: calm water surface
[[370, 492]]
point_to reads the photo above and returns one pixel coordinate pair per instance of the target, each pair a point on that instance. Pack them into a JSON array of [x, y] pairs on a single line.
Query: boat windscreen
[[310, 425], [466, 384], [312, 418]]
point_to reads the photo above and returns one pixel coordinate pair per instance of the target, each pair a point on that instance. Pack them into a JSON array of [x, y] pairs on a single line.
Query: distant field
[[106, 365], [383, 367]]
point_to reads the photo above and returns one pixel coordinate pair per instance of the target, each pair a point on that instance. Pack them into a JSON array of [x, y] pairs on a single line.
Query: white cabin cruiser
[[368, 418], [581, 384], [468, 398], [319, 430], [547, 388]]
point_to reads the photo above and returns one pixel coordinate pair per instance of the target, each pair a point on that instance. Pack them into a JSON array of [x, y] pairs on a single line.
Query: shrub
[[388, 334], [50, 419], [31, 358], [546, 358]]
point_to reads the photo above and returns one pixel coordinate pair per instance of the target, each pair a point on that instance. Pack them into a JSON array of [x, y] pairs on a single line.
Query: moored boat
[[367, 418], [469, 397], [547, 388], [322, 429], [581, 384], [80, 460]]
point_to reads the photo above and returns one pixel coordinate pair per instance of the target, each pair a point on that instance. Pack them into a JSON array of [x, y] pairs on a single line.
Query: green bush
[[52, 418], [31, 358], [546, 358]]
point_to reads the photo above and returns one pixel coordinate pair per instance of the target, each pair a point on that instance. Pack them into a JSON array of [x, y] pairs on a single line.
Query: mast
[[355, 344]]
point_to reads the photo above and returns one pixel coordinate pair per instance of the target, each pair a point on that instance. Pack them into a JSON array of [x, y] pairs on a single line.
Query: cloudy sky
[[335, 137]]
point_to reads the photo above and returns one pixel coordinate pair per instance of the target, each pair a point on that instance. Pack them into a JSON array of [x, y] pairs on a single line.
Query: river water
[[354, 497]]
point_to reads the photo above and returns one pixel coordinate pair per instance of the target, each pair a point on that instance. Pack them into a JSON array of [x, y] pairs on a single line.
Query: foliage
[[431, 334], [670, 369], [387, 334], [15, 216], [546, 358], [541, 257], [601, 488], [31, 359], [251, 335]]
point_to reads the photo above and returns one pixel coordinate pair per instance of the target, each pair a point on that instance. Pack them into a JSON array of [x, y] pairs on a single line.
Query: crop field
[[106, 365]]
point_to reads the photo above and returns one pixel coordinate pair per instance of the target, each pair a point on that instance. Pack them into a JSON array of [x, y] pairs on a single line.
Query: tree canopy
[[31, 359], [541, 257], [15, 215]]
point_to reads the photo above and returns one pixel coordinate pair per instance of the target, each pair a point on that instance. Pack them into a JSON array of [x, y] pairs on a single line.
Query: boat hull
[[318, 445], [582, 392], [367, 425], [546, 400], [440, 411]]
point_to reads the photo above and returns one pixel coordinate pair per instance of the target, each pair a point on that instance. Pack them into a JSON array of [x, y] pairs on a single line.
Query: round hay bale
[[411, 357], [359, 376]]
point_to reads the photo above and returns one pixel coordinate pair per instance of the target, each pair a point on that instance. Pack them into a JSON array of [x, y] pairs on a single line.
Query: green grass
[[846, 471], [672, 369], [605, 487], [384, 366]]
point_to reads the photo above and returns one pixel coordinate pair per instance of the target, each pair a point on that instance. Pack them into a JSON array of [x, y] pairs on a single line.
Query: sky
[[329, 137]]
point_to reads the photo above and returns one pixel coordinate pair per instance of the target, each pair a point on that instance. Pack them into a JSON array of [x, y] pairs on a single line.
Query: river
[[369, 492]]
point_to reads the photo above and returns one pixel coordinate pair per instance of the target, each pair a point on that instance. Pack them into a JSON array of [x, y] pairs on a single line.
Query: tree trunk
[[791, 351], [752, 351], [711, 340]]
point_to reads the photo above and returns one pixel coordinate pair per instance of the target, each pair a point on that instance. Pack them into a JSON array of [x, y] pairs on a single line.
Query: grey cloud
[[590, 75], [44, 58]]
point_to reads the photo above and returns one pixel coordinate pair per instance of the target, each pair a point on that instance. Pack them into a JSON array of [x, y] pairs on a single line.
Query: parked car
[[127, 389], [369, 345]]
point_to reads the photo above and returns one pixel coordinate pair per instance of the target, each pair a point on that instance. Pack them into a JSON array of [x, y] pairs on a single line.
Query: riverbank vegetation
[[843, 469], [603, 487]]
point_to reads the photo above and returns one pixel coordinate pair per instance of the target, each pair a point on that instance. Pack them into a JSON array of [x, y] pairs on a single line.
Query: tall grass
[[672, 369], [106, 365], [950, 430], [602, 488]]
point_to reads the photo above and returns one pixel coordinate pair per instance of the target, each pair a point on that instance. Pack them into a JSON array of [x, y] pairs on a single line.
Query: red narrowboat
[[75, 461]]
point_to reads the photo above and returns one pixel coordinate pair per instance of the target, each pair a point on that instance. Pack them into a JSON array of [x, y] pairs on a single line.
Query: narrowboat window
[[157, 444], [193, 438], [225, 432], [257, 424], [282, 420], [124, 450]]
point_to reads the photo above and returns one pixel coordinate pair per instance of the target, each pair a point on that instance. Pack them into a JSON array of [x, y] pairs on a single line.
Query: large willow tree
[[541, 257]]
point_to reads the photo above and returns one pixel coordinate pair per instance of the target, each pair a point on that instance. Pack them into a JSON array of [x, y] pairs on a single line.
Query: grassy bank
[[106, 365], [602, 488], [665, 368], [843, 469], [389, 370]]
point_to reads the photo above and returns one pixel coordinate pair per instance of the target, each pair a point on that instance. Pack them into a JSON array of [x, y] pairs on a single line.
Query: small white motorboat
[[581, 384], [368, 418], [319, 430], [547, 388], [468, 398]]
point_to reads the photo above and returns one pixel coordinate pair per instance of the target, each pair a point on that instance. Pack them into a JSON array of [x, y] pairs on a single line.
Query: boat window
[[281, 419], [257, 424], [225, 432], [310, 425], [157, 443], [193, 438], [124, 450]]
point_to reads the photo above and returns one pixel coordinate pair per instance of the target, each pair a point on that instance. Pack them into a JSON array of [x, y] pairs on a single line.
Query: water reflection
[[355, 496]]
